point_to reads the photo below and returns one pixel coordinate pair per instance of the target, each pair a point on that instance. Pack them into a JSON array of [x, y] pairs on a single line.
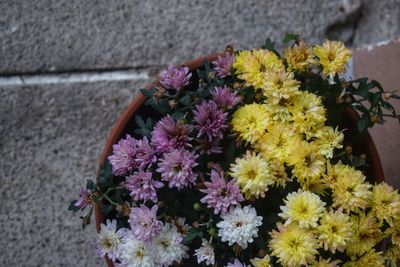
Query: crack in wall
[[345, 27]]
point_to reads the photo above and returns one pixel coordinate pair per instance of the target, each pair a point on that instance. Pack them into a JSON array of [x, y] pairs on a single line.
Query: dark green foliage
[[145, 128], [291, 37], [106, 177]]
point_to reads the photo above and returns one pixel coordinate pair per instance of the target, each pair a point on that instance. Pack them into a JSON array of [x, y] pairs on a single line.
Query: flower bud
[[212, 232], [196, 206]]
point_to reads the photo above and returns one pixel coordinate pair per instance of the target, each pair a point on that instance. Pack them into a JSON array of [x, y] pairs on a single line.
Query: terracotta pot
[[120, 128]]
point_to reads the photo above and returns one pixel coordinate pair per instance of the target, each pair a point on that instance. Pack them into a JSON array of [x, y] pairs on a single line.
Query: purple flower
[[224, 97], [209, 148], [142, 186], [123, 157], [220, 193], [168, 135], [223, 65], [144, 223], [144, 153], [175, 78], [236, 263], [176, 168], [85, 198], [210, 120]]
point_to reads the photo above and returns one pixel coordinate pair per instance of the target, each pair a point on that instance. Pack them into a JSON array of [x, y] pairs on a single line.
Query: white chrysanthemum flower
[[135, 253], [181, 225], [167, 247], [205, 253], [239, 225], [109, 240]]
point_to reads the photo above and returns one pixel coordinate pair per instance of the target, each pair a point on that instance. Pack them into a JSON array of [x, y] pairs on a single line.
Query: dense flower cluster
[[249, 170]]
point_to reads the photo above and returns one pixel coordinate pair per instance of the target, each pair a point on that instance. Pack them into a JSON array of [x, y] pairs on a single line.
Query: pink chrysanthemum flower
[[209, 148], [144, 223], [142, 187], [210, 120], [224, 97], [144, 154], [85, 199], [223, 65], [175, 78], [168, 134], [176, 167], [220, 193], [123, 157]]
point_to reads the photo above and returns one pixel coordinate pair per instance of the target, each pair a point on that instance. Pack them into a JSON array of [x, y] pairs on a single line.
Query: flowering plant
[[246, 161]]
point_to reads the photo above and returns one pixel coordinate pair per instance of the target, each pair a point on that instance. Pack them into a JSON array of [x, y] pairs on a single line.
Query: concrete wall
[[54, 122]]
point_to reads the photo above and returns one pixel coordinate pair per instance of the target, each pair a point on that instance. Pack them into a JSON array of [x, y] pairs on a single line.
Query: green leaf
[[186, 100], [363, 123], [146, 92], [187, 239], [376, 84], [143, 132], [177, 115], [395, 96], [269, 45], [106, 177], [375, 99], [72, 206], [106, 209], [91, 185], [291, 37], [363, 89], [162, 106]]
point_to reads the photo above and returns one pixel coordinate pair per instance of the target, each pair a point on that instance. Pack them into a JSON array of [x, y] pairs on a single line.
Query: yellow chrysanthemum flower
[[350, 191], [333, 56], [385, 203], [325, 263], [334, 230], [370, 259], [250, 121], [302, 207], [252, 174], [307, 162], [279, 86], [393, 255], [328, 139], [280, 111], [279, 173], [251, 66], [308, 113], [278, 142], [394, 232], [315, 185], [293, 246], [366, 234], [335, 171], [261, 262], [298, 57]]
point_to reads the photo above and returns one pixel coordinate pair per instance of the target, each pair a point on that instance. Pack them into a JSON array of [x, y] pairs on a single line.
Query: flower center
[[251, 174]]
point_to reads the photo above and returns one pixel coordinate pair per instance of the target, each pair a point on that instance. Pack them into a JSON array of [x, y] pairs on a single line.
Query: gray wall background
[[51, 135]]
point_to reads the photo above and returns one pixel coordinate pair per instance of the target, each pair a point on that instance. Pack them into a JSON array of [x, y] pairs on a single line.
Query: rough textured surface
[[64, 35], [50, 140]]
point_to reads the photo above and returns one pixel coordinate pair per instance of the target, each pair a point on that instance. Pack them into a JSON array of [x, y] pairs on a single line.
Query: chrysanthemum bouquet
[[246, 162]]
